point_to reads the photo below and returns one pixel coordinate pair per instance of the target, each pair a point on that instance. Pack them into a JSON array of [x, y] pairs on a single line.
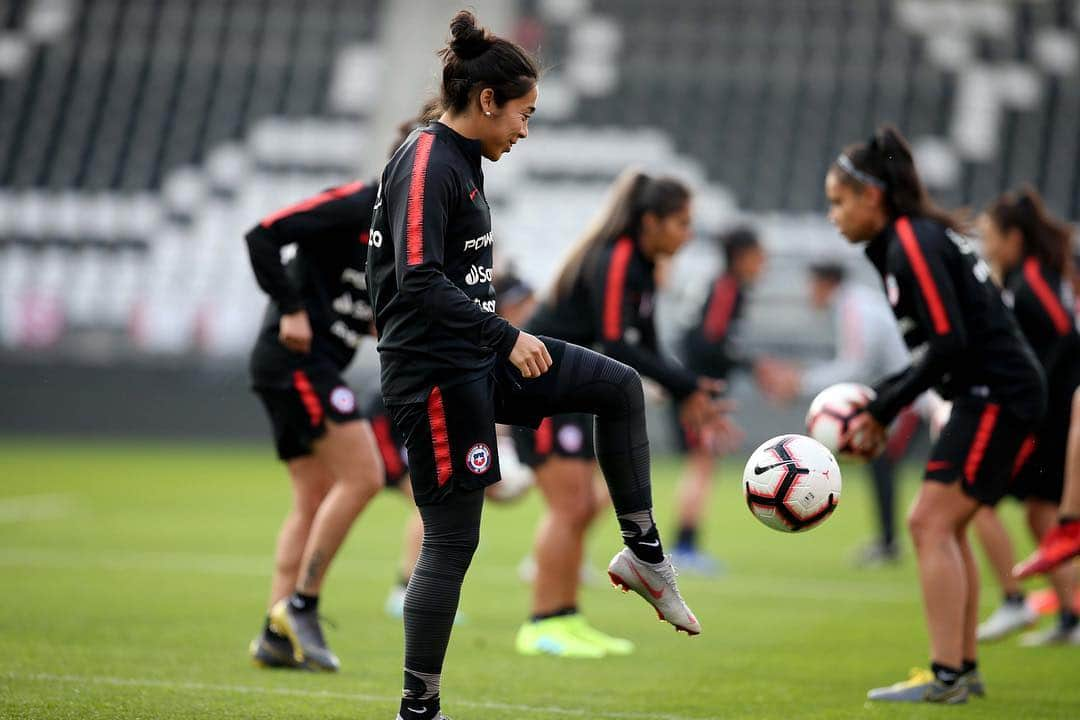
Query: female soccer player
[[968, 346], [452, 368], [317, 315], [1029, 252], [603, 297]]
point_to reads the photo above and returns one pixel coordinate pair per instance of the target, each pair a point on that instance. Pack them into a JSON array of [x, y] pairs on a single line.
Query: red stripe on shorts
[[440, 440], [308, 397], [1025, 452], [982, 439], [387, 447], [545, 437]]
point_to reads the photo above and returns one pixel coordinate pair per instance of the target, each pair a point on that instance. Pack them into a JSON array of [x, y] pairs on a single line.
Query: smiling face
[[507, 124], [855, 210]]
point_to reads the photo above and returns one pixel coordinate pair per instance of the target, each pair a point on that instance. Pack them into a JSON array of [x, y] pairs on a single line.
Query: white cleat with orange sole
[[656, 584]]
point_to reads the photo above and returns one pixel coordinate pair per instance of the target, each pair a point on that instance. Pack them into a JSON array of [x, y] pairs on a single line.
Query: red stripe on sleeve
[[914, 254], [391, 456], [440, 440], [415, 230], [544, 437], [1049, 300], [982, 439], [308, 397], [718, 314], [313, 202], [616, 288]]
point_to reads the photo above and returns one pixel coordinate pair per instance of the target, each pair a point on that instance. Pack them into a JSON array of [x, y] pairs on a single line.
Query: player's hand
[[700, 409], [711, 386], [779, 381], [530, 356], [723, 437], [294, 331], [865, 436]]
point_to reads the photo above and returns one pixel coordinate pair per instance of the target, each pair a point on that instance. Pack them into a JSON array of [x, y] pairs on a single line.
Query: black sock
[[969, 666], [639, 533], [419, 708], [1067, 619], [1066, 519], [944, 673], [1014, 598], [687, 539], [302, 603], [561, 612]]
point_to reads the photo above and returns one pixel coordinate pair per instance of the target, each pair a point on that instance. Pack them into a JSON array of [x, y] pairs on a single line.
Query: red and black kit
[[326, 279], [1039, 299], [709, 346], [391, 446], [966, 344]]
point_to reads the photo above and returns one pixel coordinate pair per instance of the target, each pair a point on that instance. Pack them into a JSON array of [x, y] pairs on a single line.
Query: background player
[[603, 297], [710, 347], [451, 367], [943, 298], [1029, 252], [317, 315]]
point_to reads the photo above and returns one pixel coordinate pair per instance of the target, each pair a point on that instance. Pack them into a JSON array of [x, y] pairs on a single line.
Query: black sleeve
[[921, 274], [1042, 316], [339, 214], [612, 284], [418, 221]]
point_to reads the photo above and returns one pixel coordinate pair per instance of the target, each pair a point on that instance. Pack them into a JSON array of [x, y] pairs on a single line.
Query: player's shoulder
[[919, 237]]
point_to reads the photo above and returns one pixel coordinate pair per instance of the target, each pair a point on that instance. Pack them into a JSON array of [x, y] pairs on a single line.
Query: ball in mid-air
[[791, 483], [831, 411]]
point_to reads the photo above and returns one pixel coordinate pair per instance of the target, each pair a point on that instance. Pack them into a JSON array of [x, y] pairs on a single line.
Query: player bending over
[[966, 344]]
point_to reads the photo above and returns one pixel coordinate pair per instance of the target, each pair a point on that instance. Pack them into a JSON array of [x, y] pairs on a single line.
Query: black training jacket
[[610, 308], [430, 268], [963, 339], [709, 347], [325, 278], [1037, 296]]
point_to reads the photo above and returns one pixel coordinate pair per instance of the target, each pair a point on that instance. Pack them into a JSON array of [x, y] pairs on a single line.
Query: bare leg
[[971, 605], [939, 517], [694, 488], [349, 450], [311, 480], [567, 486], [1070, 499], [995, 542]]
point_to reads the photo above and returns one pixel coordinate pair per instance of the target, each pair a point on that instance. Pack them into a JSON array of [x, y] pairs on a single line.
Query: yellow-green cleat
[[610, 644], [555, 636]]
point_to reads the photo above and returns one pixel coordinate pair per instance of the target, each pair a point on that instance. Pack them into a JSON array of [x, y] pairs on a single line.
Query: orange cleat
[[1057, 546], [1045, 601]]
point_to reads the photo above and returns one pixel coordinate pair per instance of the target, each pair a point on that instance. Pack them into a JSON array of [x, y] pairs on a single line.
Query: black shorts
[[450, 436], [298, 412], [391, 446], [1041, 472], [566, 436], [981, 447]]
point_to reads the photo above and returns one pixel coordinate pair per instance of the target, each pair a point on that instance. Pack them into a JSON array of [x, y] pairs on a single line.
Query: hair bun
[[468, 40]]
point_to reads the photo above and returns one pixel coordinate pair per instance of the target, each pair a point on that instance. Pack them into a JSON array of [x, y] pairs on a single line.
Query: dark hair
[[737, 241], [429, 111], [885, 161], [1045, 237], [478, 59], [632, 196], [833, 272]]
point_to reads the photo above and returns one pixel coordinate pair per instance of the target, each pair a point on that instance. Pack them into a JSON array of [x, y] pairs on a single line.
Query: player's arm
[[922, 275], [615, 314], [420, 206]]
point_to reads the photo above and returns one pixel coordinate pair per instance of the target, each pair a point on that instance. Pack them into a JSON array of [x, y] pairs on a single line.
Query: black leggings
[[579, 380]]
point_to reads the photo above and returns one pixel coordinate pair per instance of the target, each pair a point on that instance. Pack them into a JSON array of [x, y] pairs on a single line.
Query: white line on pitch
[[328, 694], [46, 506]]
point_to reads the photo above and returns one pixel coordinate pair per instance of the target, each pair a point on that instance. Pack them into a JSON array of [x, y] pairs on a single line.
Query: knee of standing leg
[[924, 527]]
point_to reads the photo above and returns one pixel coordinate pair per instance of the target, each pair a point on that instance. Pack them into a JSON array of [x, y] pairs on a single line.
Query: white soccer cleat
[[656, 583], [1007, 619]]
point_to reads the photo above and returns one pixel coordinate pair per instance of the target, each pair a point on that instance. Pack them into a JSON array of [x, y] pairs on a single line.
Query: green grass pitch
[[133, 578]]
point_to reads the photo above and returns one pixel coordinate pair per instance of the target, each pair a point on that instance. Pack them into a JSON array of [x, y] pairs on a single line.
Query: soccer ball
[[791, 483], [831, 411]]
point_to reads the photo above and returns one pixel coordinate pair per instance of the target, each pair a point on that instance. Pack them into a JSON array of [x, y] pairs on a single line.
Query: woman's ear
[[487, 102]]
